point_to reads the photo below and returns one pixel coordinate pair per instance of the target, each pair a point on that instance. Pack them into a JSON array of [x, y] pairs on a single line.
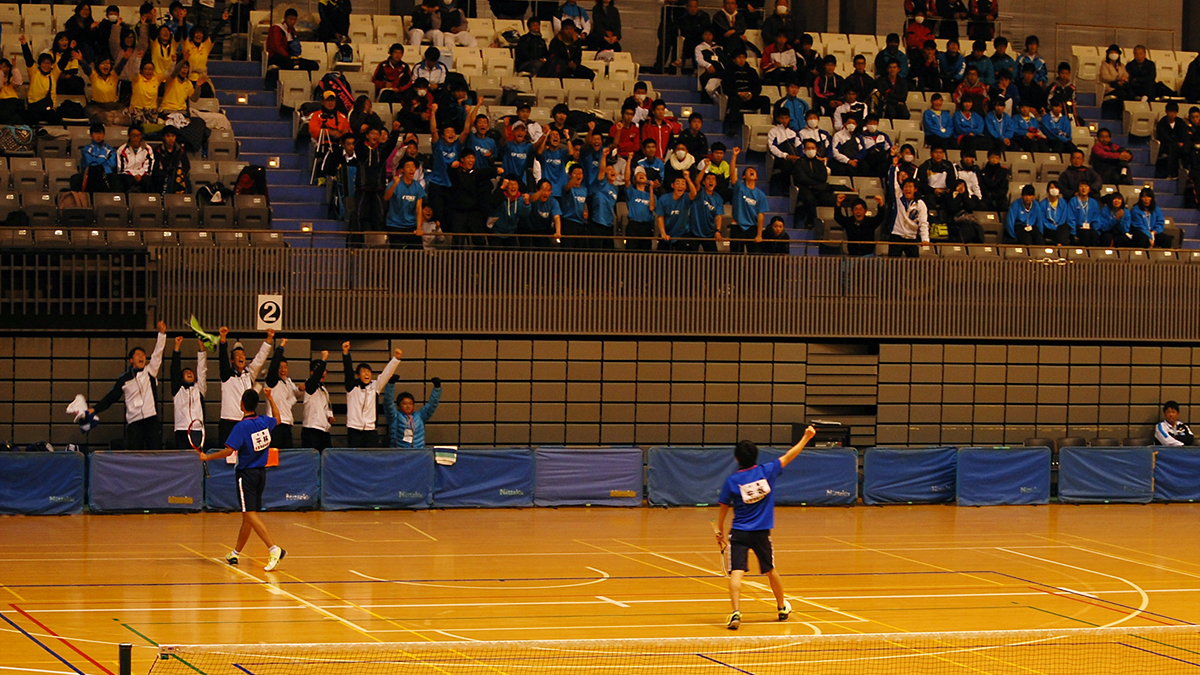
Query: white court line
[[1072, 590], [610, 600], [603, 577], [1138, 562], [38, 670], [618, 626], [332, 534], [1141, 592], [420, 531]]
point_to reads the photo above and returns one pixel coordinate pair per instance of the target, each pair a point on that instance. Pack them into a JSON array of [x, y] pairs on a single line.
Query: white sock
[[237, 554], [274, 550]]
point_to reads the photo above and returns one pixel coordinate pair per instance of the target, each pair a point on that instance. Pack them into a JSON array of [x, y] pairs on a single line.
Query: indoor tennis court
[[77, 587]]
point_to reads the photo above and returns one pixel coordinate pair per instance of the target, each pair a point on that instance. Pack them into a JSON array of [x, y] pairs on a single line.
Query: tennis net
[[1102, 651]]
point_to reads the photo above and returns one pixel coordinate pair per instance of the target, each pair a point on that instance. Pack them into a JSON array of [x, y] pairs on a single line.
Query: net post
[[125, 658]]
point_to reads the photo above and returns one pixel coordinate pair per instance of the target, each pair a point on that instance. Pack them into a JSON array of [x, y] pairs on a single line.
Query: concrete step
[[259, 98], [234, 69], [280, 129], [287, 160], [238, 83], [254, 113]]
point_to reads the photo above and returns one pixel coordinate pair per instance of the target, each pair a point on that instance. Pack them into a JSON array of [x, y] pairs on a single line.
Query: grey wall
[[685, 392]]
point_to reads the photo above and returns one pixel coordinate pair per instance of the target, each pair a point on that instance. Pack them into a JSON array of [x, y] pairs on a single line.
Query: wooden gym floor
[[71, 588]]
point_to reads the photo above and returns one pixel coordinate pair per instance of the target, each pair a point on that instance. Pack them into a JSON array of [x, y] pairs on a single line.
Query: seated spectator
[[392, 77], [1110, 160], [851, 108], [1172, 135], [935, 178], [968, 171], [908, 161], [362, 117], [999, 128], [877, 148], [938, 125], [797, 107], [1023, 224], [916, 37], [953, 66], [1084, 219], [691, 24], [432, 70], [993, 182], [1146, 222], [782, 144], [845, 149], [891, 53], [827, 87], [812, 131], [1001, 60], [809, 62], [1005, 94], [679, 164], [1062, 89], [891, 94], [283, 45], [710, 58], [1190, 89], [1170, 431], [1113, 75], [1115, 222], [743, 88], [694, 138], [729, 29], [982, 18], [426, 24], [969, 127], [171, 165], [571, 11], [810, 174], [982, 63], [143, 103], [1058, 129], [334, 16], [718, 167], [971, 87], [859, 80], [531, 51], [416, 107], [775, 239], [1055, 223], [97, 164], [328, 125], [606, 26], [455, 32], [1143, 76], [779, 62], [566, 56], [1031, 57], [1029, 91], [1076, 173], [960, 207], [860, 228], [135, 163], [782, 20], [926, 74]]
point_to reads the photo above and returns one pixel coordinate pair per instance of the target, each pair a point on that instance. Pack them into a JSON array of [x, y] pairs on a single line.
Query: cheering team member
[[187, 390], [318, 413], [406, 426], [286, 393], [138, 387], [362, 390], [236, 378]]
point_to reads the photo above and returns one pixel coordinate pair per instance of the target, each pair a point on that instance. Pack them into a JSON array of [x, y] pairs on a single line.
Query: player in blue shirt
[[555, 156], [749, 209], [749, 494], [404, 198], [545, 218], [516, 157], [674, 212], [483, 144], [251, 439], [573, 204], [708, 208], [603, 206], [448, 142]]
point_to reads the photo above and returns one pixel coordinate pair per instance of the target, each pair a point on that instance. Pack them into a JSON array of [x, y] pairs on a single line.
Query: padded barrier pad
[[1103, 475], [375, 479], [1177, 474], [294, 485], [165, 480], [41, 483], [588, 476], [999, 476], [817, 477], [909, 475], [688, 476], [489, 478]]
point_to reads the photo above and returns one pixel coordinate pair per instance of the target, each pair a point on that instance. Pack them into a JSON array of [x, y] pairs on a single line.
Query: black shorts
[[759, 541], [250, 485]]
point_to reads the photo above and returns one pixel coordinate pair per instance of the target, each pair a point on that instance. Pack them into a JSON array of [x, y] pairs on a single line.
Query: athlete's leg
[[735, 588], [776, 586], [259, 527]]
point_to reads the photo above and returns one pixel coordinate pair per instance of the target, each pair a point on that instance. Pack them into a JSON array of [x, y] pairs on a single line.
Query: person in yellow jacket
[[179, 89], [105, 95], [11, 110], [196, 51], [41, 99], [143, 103], [164, 52]]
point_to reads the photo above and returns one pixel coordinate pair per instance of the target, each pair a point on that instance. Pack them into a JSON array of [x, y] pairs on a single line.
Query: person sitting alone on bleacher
[[938, 125], [1076, 173], [426, 24], [392, 76], [97, 164], [566, 56], [171, 165], [432, 70], [1024, 223], [1143, 76], [327, 125], [1110, 160], [104, 97], [41, 97], [890, 100], [283, 45], [1171, 432], [135, 163], [10, 101], [531, 51], [196, 50], [455, 32]]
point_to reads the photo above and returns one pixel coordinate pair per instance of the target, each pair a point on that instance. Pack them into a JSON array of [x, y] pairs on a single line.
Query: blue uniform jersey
[[999, 128], [938, 123], [797, 110], [1146, 221], [1083, 215], [541, 215], [402, 208], [604, 204], [968, 126], [484, 148], [573, 202], [1020, 217], [590, 160], [1109, 222], [1059, 130], [1039, 66], [654, 167], [250, 438], [638, 202], [705, 210], [554, 168], [675, 213], [748, 204], [516, 158], [1053, 215], [751, 494], [444, 154]]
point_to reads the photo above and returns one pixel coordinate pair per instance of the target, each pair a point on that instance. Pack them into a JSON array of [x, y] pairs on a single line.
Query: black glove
[[395, 379], [437, 382]]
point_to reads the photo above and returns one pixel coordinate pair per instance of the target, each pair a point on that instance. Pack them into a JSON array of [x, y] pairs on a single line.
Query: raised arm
[[795, 450], [392, 365], [223, 354], [433, 130], [431, 404], [260, 359], [692, 189], [349, 366], [160, 343], [314, 380], [733, 172], [276, 359], [271, 402], [176, 367], [202, 369]]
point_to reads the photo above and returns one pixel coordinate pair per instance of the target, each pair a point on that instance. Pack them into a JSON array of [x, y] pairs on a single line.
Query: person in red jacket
[[283, 45], [627, 133], [329, 121], [393, 76], [660, 129], [915, 36]]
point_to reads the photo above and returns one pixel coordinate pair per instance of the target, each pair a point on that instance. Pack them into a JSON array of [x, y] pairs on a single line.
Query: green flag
[[209, 340]]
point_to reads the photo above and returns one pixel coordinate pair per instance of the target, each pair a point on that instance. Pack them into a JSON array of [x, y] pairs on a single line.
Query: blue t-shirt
[[541, 214], [748, 203], [675, 213], [590, 160], [484, 149], [250, 438], [515, 158], [751, 494], [444, 154], [554, 169], [604, 204], [402, 208], [705, 209], [639, 205], [572, 203]]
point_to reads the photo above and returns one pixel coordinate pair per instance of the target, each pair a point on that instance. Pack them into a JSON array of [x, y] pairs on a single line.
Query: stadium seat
[[1160, 255], [1137, 255], [40, 207], [360, 84], [16, 237], [548, 97], [195, 238], [754, 132], [294, 88], [51, 237], [252, 212], [610, 94], [487, 89], [125, 239], [623, 70], [983, 252], [111, 209], [229, 171], [468, 65], [209, 105], [89, 238], [182, 211], [59, 172], [1139, 442], [1077, 254], [217, 216], [221, 145], [1070, 442], [1014, 253], [952, 251], [204, 172], [1138, 119], [37, 19], [389, 30], [28, 173], [267, 239], [158, 237], [145, 211], [362, 29], [1105, 255], [580, 95], [8, 203], [75, 216]]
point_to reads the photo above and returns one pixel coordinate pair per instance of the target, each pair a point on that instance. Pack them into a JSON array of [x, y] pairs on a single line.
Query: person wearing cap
[[392, 76], [328, 121], [566, 55], [426, 23], [432, 69], [1172, 135], [891, 53]]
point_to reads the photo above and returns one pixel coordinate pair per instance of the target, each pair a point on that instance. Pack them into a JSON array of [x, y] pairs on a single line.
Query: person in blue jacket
[[602, 201], [510, 213], [797, 107], [406, 426], [1083, 215], [982, 62], [573, 204], [938, 125], [1030, 55], [998, 126], [968, 127], [1058, 129], [1024, 223], [749, 209], [1146, 222], [1114, 220], [1054, 215], [708, 208], [954, 66], [404, 198]]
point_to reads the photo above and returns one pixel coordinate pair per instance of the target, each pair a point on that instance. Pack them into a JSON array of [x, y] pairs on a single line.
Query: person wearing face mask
[[850, 109], [782, 20], [812, 131], [1054, 214], [1113, 75], [908, 160], [679, 163], [640, 101], [916, 34], [188, 387], [811, 177], [1024, 222]]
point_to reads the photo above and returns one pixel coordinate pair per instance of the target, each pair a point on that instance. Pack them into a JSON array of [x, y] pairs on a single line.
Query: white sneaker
[[232, 558], [273, 560], [785, 611]]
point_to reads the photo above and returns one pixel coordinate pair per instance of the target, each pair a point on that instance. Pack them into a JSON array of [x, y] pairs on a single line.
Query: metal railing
[[76, 289], [581, 293]]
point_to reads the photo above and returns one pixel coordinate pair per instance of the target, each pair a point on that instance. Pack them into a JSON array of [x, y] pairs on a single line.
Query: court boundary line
[[41, 644], [61, 639], [1140, 590]]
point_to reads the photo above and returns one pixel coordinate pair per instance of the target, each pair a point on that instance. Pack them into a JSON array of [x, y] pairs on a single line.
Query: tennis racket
[[195, 434], [724, 546]]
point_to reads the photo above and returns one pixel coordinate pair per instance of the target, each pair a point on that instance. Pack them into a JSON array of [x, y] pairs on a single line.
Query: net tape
[[1091, 651]]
